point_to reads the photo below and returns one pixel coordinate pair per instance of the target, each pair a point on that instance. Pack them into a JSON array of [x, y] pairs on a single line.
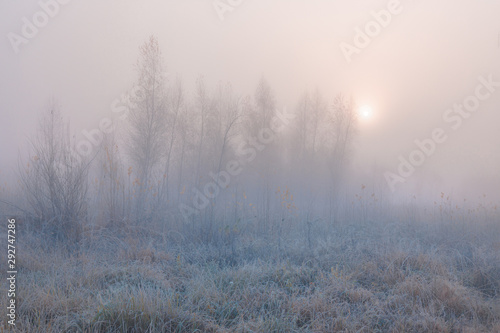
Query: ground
[[363, 276]]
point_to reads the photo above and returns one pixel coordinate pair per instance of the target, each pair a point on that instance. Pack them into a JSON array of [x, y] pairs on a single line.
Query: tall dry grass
[[367, 274]]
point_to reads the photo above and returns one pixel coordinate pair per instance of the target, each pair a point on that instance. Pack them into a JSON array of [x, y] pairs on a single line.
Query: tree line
[[201, 163]]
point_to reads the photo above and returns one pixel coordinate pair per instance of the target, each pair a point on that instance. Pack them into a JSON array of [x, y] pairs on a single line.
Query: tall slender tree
[[148, 127]]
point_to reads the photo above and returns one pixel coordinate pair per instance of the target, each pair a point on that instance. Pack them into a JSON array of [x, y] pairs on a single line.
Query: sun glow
[[366, 112]]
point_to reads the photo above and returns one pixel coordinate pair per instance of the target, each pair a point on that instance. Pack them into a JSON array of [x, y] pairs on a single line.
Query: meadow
[[397, 268]]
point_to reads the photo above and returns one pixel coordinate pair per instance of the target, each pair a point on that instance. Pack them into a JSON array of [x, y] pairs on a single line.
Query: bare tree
[[111, 187], [185, 138], [259, 119], [299, 138], [225, 116], [148, 129], [54, 179], [176, 102], [342, 120], [203, 104], [310, 113], [305, 142], [228, 114], [318, 112]]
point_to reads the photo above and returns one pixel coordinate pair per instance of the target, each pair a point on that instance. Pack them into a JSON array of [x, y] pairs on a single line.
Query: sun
[[365, 111]]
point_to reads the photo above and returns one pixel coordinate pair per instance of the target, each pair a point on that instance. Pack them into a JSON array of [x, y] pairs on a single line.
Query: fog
[[428, 58], [264, 166]]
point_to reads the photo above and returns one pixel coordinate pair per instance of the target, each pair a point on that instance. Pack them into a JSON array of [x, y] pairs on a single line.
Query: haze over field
[[250, 166], [428, 58]]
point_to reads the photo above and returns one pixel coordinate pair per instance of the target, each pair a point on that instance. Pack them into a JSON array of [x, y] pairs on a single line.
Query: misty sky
[[428, 58]]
